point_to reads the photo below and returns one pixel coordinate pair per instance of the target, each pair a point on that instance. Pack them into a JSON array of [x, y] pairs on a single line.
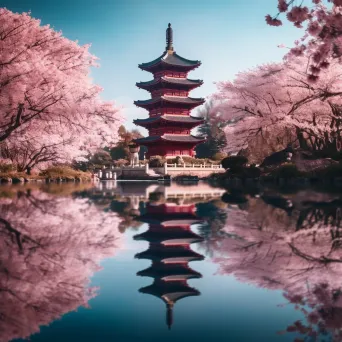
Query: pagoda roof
[[170, 137], [188, 83], [170, 59], [170, 236], [169, 291], [189, 101], [169, 272], [190, 120], [169, 218], [170, 254]]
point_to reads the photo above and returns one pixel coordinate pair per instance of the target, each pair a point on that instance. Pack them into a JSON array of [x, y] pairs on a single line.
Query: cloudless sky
[[227, 36]]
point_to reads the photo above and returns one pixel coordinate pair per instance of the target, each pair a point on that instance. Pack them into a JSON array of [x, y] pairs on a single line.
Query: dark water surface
[[146, 262]]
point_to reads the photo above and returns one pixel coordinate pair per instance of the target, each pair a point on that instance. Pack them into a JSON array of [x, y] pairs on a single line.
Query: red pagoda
[[169, 236], [170, 123]]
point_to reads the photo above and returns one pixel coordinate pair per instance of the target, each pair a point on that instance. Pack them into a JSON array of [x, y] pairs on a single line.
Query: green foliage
[[101, 157], [234, 162], [121, 150], [212, 129]]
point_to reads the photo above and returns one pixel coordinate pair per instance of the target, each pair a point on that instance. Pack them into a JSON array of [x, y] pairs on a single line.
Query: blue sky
[[227, 36]]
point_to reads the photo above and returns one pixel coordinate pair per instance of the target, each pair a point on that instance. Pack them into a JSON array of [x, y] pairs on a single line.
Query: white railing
[[195, 166]]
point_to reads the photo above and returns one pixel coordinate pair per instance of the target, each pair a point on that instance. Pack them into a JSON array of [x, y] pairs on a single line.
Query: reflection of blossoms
[[49, 248], [298, 251]]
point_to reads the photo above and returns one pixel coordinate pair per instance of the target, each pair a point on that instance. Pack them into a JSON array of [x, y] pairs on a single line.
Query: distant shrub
[[120, 162], [234, 162], [157, 161], [6, 167], [155, 196], [219, 156], [62, 171], [286, 171], [233, 198], [244, 172], [252, 172], [332, 171]]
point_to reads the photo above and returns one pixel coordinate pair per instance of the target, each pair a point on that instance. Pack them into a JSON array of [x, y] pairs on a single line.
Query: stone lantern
[[134, 154]]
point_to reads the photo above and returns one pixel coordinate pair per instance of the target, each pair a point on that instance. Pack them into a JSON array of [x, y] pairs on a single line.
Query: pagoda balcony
[[170, 101]]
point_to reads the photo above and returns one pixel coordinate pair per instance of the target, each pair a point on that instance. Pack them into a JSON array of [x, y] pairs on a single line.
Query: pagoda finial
[[169, 39]]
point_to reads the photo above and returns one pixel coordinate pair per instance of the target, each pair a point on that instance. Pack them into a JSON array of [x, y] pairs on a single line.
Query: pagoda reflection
[[170, 236]]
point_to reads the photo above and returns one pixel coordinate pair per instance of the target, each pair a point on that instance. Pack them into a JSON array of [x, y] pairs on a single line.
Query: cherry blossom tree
[[296, 249], [47, 97], [322, 40], [50, 247], [275, 103]]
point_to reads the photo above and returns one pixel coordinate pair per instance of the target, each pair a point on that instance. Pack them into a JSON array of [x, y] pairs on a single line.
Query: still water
[[143, 261]]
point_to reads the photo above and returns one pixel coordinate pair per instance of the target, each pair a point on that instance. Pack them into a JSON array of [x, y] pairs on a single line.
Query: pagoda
[[169, 123], [169, 236]]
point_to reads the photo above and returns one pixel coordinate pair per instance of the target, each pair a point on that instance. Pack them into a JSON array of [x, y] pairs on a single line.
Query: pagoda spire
[[169, 315], [169, 39]]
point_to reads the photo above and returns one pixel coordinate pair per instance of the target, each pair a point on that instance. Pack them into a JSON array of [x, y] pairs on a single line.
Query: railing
[[195, 166]]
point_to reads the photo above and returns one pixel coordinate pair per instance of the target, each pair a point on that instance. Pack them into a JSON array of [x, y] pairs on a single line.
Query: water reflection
[[293, 243], [169, 236], [170, 212], [53, 238], [49, 247]]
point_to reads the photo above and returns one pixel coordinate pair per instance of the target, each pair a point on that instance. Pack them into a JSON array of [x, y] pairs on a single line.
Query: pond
[[128, 261]]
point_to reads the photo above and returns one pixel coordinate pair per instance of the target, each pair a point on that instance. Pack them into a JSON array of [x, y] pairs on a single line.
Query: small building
[[169, 123]]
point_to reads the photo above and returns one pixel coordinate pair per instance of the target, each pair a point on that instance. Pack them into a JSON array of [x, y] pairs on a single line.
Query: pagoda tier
[[166, 82], [169, 236], [170, 61], [169, 272], [169, 254], [173, 237], [170, 102], [169, 123], [169, 145], [163, 122]]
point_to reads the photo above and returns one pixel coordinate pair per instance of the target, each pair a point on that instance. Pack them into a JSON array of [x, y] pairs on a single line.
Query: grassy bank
[[52, 174]]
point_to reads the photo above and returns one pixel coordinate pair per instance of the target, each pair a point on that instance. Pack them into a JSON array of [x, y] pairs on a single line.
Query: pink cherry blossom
[[275, 104], [282, 6], [50, 247], [272, 21], [298, 14], [322, 36], [295, 250], [47, 95]]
